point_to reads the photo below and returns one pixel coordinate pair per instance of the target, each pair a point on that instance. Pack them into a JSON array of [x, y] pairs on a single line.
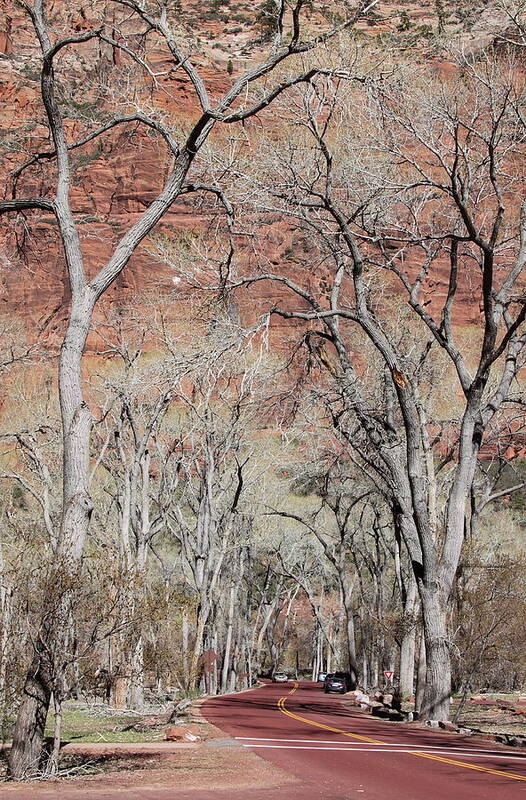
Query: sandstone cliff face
[[118, 176], [114, 180]]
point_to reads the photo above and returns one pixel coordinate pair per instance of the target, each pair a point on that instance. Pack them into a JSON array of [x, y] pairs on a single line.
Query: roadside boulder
[[448, 726], [509, 739], [380, 711], [358, 696], [182, 733]]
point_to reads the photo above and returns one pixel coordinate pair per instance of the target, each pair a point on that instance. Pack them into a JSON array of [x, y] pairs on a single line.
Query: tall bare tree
[[409, 185], [234, 106]]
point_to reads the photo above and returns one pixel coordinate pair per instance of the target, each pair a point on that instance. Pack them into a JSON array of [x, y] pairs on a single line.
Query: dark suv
[[338, 682]]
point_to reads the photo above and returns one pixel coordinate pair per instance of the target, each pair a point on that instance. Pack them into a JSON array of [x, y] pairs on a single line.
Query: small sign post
[[388, 675]]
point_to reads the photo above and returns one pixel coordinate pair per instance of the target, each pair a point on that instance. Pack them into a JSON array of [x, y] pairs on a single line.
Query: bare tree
[[339, 509], [134, 401], [433, 193], [86, 291], [210, 471]]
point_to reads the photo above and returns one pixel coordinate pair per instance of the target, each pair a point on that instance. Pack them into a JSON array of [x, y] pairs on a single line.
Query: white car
[[280, 677]]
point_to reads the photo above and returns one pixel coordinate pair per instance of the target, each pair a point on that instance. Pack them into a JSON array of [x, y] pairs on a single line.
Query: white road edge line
[[468, 754], [350, 745]]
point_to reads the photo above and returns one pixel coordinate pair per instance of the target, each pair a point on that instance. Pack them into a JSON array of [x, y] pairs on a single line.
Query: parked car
[[340, 682], [328, 676], [321, 676], [280, 677]]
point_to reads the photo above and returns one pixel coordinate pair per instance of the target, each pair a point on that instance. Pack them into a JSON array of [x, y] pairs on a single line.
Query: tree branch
[[26, 204]]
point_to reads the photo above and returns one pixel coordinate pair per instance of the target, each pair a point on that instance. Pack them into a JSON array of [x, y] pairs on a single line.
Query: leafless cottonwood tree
[[13, 353], [137, 399], [333, 524], [270, 596], [351, 523], [205, 507], [158, 23], [406, 186], [297, 568], [175, 450]]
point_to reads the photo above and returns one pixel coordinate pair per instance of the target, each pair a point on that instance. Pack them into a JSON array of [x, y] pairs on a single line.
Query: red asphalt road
[[342, 754]]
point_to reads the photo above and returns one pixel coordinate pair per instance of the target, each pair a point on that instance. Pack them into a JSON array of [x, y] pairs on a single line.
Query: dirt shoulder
[[217, 766], [107, 770], [217, 769]]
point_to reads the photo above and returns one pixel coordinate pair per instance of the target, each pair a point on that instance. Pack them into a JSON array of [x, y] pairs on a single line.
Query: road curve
[[342, 754]]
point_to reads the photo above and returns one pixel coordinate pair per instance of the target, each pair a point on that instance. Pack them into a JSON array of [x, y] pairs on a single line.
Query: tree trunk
[[407, 647], [263, 633], [25, 756], [407, 664], [119, 694], [47, 668], [214, 682], [437, 694], [317, 653], [202, 617], [53, 764], [365, 670], [328, 652], [136, 687], [420, 674], [184, 647], [350, 635], [228, 642], [6, 608]]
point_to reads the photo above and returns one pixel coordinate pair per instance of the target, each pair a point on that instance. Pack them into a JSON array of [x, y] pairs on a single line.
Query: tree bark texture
[[25, 755], [407, 646]]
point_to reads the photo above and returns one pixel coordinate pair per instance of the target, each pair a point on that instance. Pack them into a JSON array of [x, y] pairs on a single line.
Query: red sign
[[388, 674], [209, 659]]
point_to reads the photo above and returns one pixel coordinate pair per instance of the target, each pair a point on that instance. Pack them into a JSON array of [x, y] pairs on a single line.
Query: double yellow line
[[281, 706]]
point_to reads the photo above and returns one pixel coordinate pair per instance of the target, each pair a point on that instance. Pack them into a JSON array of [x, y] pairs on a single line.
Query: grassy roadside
[[85, 725], [490, 717]]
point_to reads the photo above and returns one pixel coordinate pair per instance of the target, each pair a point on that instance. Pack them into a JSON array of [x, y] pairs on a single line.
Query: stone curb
[[120, 748], [127, 748]]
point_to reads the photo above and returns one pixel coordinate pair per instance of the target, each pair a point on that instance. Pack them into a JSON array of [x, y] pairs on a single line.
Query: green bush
[[267, 19]]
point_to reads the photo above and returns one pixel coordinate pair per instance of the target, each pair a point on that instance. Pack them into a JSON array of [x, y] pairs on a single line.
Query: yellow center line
[[281, 706]]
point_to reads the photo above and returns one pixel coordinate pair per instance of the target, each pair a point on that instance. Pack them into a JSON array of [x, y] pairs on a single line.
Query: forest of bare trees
[[299, 443]]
